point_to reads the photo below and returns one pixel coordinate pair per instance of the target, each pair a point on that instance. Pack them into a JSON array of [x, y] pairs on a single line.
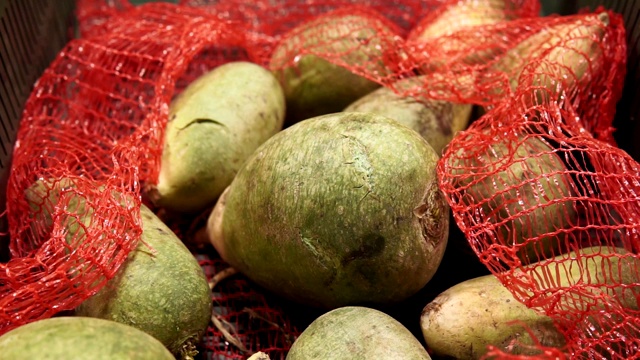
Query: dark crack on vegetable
[[431, 219], [202, 121]]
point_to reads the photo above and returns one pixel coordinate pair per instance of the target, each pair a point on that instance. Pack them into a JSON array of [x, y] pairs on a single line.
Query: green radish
[[80, 338], [161, 290], [462, 321], [357, 333], [437, 121], [315, 85], [214, 125], [336, 210]]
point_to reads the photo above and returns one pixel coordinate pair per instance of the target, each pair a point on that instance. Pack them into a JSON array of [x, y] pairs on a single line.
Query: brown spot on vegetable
[[331, 279], [202, 121], [436, 305], [372, 245], [430, 215]]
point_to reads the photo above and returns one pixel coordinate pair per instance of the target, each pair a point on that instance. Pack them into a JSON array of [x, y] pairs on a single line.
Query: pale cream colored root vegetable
[[464, 14], [462, 321], [571, 66], [214, 224], [259, 356], [458, 20]]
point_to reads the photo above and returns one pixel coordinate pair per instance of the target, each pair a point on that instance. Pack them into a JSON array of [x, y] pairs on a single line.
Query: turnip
[[358, 333], [336, 210], [159, 289], [314, 62], [214, 125], [79, 338]]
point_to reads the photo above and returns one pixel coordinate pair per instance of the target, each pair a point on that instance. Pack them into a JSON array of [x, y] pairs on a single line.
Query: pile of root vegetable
[[325, 180]]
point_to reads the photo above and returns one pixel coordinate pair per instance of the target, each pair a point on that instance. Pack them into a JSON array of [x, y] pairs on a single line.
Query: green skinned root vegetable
[[437, 121], [314, 85], [165, 293], [356, 333], [79, 338], [341, 209], [462, 321], [214, 125], [160, 290], [524, 200]]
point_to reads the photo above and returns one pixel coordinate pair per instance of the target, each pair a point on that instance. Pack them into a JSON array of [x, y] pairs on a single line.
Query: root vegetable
[[314, 83], [462, 321], [160, 290], [77, 338], [465, 319], [214, 125], [336, 210], [437, 121], [355, 332], [519, 186]]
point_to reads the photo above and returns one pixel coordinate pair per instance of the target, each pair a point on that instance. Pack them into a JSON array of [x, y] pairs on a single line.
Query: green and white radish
[[162, 291]]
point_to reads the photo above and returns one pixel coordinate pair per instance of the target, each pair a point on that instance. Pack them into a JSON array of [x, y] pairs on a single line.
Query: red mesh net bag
[[536, 177], [92, 132], [542, 194]]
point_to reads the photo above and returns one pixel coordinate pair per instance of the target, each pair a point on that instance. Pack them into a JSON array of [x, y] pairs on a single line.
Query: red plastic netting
[[544, 197], [537, 176], [247, 320]]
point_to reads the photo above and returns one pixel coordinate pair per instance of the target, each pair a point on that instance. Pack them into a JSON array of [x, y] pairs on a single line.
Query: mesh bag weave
[[543, 195], [537, 176]]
